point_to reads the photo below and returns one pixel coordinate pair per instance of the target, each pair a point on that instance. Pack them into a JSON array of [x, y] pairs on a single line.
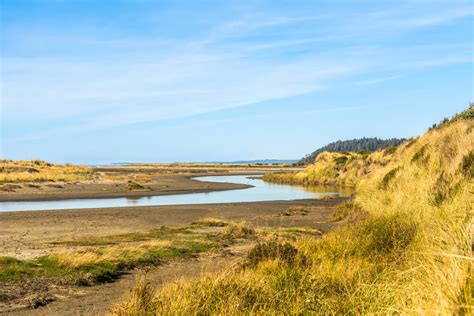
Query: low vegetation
[[135, 186], [50, 266], [99, 259], [94, 260], [295, 210], [240, 230], [410, 252], [40, 171], [348, 212]]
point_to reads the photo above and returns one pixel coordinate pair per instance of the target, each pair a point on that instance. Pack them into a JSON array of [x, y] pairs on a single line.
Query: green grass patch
[[12, 269], [101, 259]]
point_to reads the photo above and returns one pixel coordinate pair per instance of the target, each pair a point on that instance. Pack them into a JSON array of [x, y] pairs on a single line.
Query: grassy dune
[[335, 168], [405, 247], [40, 171]]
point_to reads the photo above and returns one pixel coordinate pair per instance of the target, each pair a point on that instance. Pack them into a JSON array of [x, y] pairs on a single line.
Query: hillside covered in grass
[[405, 246], [331, 168], [348, 168]]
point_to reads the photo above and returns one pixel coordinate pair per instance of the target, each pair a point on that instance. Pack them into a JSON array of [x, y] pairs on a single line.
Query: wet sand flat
[[29, 234]]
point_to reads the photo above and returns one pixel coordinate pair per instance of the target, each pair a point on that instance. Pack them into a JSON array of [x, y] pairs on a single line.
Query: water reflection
[[260, 191], [135, 199]]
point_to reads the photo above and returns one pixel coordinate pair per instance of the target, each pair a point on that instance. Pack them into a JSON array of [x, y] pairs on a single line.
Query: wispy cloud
[[368, 82], [100, 82], [435, 62]]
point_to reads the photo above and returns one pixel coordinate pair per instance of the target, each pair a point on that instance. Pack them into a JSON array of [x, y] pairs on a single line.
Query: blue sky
[[103, 81]]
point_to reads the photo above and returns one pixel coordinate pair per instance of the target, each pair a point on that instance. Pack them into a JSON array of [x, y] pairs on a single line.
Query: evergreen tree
[[355, 145]]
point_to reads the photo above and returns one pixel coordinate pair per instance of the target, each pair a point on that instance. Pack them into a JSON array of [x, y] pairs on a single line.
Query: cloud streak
[[254, 58]]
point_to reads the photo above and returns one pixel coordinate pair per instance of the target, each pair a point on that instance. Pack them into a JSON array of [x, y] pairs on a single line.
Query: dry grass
[[211, 222], [135, 186], [124, 253], [409, 254], [139, 301], [97, 259], [239, 230], [295, 210], [335, 168], [40, 171]]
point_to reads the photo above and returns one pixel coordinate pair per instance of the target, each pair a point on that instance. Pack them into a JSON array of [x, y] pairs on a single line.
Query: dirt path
[[98, 300]]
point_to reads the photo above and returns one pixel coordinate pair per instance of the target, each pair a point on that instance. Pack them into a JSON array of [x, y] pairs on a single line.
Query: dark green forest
[[355, 145]]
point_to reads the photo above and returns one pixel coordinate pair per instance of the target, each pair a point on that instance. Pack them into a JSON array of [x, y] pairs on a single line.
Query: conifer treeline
[[356, 145]]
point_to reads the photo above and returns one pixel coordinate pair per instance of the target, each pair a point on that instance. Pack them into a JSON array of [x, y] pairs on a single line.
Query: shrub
[[134, 186], [295, 210], [467, 165], [342, 211], [272, 250], [390, 150], [340, 161], [388, 234], [419, 156], [388, 177], [240, 230]]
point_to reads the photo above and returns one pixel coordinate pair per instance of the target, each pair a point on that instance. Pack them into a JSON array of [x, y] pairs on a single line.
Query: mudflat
[[29, 234]]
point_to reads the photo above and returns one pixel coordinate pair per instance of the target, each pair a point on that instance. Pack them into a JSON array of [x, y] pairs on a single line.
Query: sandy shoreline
[[160, 185]]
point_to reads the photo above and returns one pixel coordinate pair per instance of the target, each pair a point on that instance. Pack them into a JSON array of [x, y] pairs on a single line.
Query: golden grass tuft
[[41, 171], [128, 253], [211, 222], [139, 302], [239, 230]]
